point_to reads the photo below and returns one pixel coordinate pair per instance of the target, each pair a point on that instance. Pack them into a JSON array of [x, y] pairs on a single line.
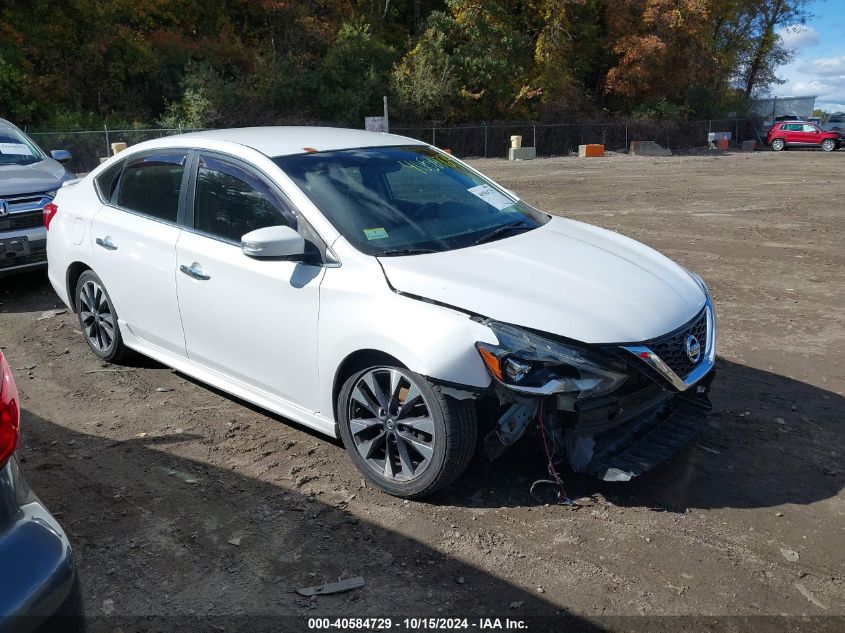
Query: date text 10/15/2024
[[416, 624]]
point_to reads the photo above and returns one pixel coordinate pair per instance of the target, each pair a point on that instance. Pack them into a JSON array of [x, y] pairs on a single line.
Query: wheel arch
[[354, 362], [74, 272]]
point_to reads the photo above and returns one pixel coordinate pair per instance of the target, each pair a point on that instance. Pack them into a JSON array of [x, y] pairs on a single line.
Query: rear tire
[[98, 318], [778, 145], [402, 433], [828, 145]]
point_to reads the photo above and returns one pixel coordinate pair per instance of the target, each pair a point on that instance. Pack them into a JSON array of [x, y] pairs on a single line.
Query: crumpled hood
[[566, 278], [42, 176]]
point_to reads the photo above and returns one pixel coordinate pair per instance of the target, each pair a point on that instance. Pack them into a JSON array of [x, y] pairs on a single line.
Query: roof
[[285, 140]]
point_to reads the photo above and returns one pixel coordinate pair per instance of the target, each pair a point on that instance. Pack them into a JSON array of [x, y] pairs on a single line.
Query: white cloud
[[825, 67], [798, 36], [824, 76]]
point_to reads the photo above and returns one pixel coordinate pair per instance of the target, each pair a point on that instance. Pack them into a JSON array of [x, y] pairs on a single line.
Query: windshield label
[[375, 234], [19, 149], [427, 164], [492, 197]]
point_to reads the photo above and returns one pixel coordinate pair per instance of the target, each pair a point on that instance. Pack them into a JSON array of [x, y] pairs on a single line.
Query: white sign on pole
[[375, 124]]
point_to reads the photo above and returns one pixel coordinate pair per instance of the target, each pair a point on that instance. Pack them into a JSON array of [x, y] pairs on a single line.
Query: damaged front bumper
[[619, 447], [658, 400]]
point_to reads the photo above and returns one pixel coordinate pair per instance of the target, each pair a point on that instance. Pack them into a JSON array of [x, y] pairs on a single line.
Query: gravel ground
[[183, 501]]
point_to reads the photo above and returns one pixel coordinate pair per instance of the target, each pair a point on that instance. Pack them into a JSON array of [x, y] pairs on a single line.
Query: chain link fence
[[562, 139], [479, 140], [87, 147]]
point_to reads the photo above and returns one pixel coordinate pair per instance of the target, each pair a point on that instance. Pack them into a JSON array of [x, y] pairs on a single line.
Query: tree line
[[197, 63]]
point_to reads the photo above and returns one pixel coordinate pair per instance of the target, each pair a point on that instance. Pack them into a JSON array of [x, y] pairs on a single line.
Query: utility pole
[[386, 121]]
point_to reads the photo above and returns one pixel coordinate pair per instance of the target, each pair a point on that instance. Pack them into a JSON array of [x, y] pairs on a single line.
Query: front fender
[[359, 311]]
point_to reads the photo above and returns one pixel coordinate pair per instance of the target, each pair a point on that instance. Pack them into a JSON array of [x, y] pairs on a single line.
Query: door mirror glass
[[273, 241], [61, 155]]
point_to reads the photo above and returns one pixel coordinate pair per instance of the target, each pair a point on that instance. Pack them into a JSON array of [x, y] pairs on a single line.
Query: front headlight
[[534, 364]]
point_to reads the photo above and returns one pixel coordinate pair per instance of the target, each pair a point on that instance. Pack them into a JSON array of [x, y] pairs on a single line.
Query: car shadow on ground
[[166, 542], [157, 534], [28, 292]]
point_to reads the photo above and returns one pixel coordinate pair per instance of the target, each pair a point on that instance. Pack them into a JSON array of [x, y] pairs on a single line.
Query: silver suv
[[29, 179]]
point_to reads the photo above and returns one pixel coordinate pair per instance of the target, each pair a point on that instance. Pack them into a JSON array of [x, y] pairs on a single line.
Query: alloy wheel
[[828, 145], [390, 424], [96, 316]]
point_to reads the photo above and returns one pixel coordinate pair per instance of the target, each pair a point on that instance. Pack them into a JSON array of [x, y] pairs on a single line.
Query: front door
[[254, 320]]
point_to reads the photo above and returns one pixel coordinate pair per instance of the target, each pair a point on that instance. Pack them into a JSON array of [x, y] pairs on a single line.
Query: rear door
[[251, 319], [134, 247]]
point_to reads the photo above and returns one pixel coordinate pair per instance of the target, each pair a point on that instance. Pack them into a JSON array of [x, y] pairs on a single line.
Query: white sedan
[[373, 287]]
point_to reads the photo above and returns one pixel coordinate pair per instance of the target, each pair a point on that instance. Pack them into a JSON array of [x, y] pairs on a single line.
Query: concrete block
[[750, 146], [648, 148], [591, 150], [522, 153]]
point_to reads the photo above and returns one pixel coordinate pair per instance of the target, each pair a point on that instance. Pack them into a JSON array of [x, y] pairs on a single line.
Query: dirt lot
[[186, 501]]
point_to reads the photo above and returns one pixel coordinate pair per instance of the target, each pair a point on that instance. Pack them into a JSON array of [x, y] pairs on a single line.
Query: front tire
[[828, 145], [403, 433], [778, 145], [98, 318]]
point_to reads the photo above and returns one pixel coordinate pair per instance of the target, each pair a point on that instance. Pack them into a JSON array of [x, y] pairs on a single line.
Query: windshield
[[17, 149], [407, 200]]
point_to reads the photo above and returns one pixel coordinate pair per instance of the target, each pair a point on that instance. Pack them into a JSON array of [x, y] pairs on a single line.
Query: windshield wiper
[[406, 251], [501, 230]]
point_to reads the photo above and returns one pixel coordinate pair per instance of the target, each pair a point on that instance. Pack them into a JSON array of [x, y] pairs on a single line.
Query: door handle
[[194, 271], [106, 243]]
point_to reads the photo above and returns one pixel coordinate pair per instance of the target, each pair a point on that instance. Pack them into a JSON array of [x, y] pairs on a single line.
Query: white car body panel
[[359, 311], [296, 325], [254, 319], [570, 278], [68, 237], [140, 275]]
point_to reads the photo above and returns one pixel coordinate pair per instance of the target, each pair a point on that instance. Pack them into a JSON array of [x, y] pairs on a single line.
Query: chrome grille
[[26, 201], [672, 348]]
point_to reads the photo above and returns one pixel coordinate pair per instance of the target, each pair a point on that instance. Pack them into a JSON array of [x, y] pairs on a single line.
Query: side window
[[795, 127], [151, 184], [809, 128], [107, 181], [231, 202]]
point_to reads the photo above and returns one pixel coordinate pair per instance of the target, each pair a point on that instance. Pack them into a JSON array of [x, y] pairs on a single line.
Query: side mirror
[[273, 241], [61, 155]]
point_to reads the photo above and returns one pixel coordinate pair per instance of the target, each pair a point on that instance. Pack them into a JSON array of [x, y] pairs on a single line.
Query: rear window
[[107, 181], [151, 184]]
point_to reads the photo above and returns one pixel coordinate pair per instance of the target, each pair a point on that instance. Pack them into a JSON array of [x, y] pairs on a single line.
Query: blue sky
[[818, 67]]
